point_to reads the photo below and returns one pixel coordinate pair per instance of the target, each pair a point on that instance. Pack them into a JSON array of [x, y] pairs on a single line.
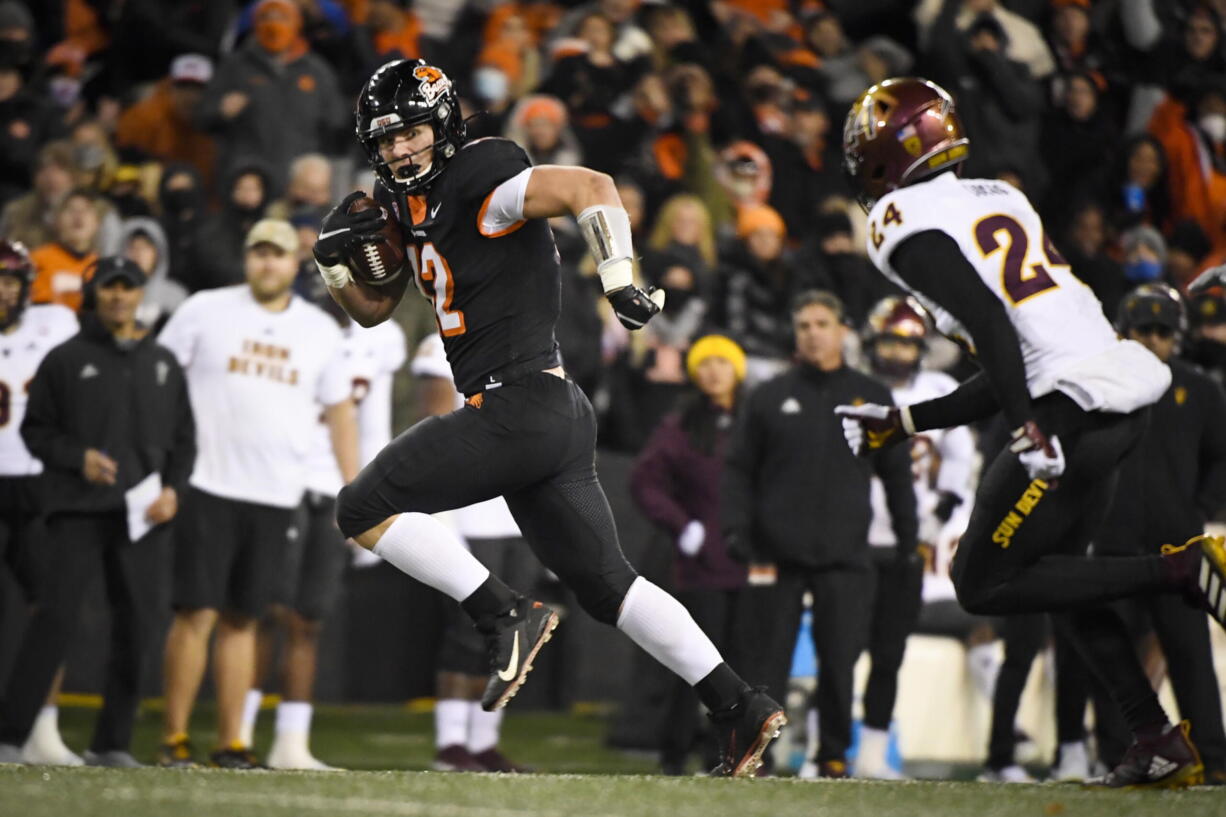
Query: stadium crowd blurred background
[[165, 129]]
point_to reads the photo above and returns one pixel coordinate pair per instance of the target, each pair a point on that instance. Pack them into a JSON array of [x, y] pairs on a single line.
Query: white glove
[[1041, 465], [1040, 455], [692, 537], [871, 427], [336, 276]]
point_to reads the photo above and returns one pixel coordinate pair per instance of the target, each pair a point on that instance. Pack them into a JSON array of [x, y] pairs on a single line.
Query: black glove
[[907, 556], [738, 546], [946, 506], [341, 230], [634, 307]]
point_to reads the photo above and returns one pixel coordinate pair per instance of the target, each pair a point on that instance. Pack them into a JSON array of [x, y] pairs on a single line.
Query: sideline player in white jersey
[[259, 362], [976, 255], [372, 357], [465, 735], [942, 462], [27, 333]]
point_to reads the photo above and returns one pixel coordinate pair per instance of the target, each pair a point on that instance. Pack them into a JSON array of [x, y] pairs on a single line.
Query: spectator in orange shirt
[[60, 266], [163, 124], [1194, 137]]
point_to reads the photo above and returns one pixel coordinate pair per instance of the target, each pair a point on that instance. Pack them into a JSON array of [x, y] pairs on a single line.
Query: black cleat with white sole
[[513, 639], [744, 730], [1166, 761]]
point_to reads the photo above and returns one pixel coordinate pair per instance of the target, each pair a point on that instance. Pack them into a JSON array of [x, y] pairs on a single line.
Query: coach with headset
[[107, 409]]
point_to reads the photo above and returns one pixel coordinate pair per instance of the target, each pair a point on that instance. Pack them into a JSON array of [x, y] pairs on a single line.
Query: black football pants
[[82, 547], [532, 441], [896, 607], [1023, 637], [1024, 550]]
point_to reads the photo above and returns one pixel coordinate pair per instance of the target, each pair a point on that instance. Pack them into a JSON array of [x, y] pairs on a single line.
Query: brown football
[[378, 262]]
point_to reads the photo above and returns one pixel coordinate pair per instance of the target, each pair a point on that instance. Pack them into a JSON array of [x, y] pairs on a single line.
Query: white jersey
[[1066, 342], [372, 356], [950, 451], [21, 351], [485, 520], [256, 380]]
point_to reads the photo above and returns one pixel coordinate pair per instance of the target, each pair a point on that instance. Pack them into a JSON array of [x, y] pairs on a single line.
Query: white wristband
[[904, 416], [616, 274], [336, 276]]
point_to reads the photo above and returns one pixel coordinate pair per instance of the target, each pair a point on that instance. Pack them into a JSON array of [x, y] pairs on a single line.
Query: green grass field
[[584, 778]]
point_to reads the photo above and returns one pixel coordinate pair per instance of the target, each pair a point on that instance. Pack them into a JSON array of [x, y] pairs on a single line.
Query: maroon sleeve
[[652, 483]]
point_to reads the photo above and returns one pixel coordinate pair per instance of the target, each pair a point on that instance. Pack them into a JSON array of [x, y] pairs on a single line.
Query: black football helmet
[[400, 94], [1153, 305], [15, 261]]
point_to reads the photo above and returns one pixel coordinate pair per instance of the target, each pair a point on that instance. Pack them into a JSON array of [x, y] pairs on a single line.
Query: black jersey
[[496, 297]]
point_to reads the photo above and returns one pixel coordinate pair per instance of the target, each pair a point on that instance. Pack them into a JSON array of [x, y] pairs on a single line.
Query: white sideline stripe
[[294, 802]]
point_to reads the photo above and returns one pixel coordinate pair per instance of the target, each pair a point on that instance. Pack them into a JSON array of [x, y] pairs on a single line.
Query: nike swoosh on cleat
[[510, 672], [331, 233]]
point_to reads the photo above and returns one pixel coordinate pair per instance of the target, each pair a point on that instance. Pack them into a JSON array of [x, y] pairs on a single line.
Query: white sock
[[46, 729], [451, 722], [434, 554], [660, 625], [483, 728], [294, 717], [251, 711], [870, 759], [984, 661]]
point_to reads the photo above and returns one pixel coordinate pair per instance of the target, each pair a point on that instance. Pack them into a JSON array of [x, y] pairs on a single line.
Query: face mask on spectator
[[176, 202], [1143, 269], [1214, 126], [490, 84]]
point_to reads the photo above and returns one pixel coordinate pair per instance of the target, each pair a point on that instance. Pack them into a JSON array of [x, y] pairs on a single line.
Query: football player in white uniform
[[27, 333], [976, 255], [942, 462]]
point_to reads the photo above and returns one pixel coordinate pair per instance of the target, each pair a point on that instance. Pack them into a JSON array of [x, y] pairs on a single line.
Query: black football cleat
[[1199, 566], [1167, 761], [513, 640], [235, 756], [176, 753], [744, 730]]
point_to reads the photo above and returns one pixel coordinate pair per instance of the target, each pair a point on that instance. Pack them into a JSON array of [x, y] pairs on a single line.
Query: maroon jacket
[[673, 483]]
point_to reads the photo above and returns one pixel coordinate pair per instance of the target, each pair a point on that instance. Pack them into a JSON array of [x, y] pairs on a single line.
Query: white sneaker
[[47, 751], [808, 771], [1074, 763], [291, 752], [1009, 774]]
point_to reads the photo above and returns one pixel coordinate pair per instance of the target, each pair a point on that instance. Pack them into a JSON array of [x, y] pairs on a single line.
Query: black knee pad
[[350, 516], [601, 595]]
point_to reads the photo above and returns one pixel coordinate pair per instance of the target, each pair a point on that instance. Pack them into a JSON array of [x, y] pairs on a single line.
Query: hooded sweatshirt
[[162, 295]]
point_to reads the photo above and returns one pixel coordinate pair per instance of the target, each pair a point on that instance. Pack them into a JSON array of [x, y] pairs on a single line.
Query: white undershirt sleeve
[[503, 209]]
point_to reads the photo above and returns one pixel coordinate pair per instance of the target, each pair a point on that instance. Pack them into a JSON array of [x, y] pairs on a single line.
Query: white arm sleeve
[[957, 461], [504, 207]]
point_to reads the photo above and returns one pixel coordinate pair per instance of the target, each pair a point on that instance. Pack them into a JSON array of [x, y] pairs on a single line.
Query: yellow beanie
[[715, 346]]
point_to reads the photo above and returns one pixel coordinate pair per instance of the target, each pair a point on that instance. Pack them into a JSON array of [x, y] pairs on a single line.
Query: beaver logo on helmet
[[434, 83], [900, 131]]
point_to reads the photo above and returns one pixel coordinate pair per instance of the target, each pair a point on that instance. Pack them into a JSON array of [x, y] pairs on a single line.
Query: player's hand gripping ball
[[359, 234]]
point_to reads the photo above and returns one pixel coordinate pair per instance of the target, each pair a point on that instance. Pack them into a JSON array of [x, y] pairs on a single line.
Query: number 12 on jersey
[[435, 281]]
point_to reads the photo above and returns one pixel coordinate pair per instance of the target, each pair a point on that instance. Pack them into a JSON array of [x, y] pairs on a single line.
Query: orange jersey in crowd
[[58, 275], [1197, 188]]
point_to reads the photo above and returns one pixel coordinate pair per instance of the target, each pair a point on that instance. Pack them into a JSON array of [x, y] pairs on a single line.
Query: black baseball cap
[[117, 268]]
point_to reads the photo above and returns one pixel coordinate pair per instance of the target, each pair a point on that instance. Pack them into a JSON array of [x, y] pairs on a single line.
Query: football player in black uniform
[[474, 217], [1077, 397]]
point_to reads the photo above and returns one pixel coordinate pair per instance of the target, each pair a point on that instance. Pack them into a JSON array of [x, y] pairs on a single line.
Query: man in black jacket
[[1170, 485], [107, 409], [796, 507]]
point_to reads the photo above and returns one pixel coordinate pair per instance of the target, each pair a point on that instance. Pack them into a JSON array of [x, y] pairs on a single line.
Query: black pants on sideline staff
[[1024, 636], [896, 608], [80, 548], [841, 599]]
